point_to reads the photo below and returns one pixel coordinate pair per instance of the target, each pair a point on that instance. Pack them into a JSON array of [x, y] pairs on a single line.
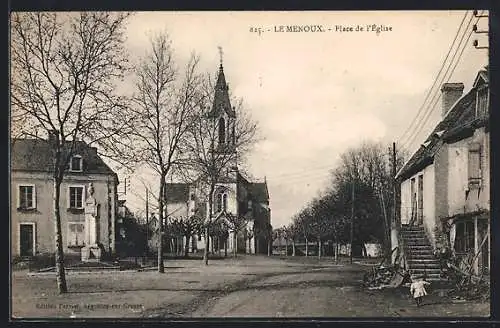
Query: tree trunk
[[286, 247], [225, 247], [207, 244], [335, 252], [293, 247], [319, 249], [307, 248], [269, 242], [207, 230], [213, 246], [186, 247], [161, 268], [60, 272], [235, 243]]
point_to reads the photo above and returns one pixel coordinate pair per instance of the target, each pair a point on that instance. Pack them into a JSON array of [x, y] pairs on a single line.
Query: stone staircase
[[419, 254]]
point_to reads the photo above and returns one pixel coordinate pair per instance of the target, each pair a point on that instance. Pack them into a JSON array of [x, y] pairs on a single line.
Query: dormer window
[[482, 101], [75, 164]]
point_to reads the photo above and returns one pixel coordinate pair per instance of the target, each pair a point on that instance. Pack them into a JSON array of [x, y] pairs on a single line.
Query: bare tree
[[164, 107], [210, 160], [236, 224], [64, 72], [293, 232]]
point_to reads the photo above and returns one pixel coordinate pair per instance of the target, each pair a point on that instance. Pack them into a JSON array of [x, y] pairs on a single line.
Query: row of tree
[[68, 72], [136, 240], [357, 207]]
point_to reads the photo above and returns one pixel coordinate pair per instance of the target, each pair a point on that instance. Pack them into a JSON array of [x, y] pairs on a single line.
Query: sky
[[316, 94]]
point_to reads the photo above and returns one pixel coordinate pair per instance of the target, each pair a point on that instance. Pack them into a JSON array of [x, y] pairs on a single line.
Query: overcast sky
[[315, 95]]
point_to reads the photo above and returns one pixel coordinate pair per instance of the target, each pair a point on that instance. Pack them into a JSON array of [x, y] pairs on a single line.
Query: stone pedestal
[[91, 251]]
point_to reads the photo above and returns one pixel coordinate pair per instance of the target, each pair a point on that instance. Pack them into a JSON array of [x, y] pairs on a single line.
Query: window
[[76, 234], [75, 164], [222, 131], [26, 197], [76, 197], [234, 135], [474, 164], [224, 202], [464, 239], [219, 202], [192, 197], [482, 102]]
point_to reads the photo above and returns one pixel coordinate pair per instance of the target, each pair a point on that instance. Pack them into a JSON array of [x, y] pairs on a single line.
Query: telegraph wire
[[435, 80], [430, 108]]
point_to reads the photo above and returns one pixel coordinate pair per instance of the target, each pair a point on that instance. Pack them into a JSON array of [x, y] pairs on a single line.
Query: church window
[[222, 131], [219, 202], [224, 202]]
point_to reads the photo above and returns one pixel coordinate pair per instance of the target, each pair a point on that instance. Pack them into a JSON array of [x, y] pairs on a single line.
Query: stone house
[[32, 190], [445, 185]]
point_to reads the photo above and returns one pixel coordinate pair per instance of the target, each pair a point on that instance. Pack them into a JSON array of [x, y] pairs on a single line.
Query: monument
[[91, 251]]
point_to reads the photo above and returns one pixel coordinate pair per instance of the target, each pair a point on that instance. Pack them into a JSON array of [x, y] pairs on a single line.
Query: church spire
[[221, 97], [221, 53]]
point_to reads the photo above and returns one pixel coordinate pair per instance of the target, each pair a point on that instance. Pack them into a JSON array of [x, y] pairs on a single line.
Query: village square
[[157, 173]]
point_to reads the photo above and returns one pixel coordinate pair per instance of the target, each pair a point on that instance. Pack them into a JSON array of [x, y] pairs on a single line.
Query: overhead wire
[[432, 105], [402, 136]]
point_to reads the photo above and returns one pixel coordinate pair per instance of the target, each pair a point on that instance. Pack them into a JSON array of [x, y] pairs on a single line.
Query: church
[[234, 195]]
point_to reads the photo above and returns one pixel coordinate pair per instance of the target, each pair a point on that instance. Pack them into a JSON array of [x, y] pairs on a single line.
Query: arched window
[[219, 202], [222, 131], [224, 202]]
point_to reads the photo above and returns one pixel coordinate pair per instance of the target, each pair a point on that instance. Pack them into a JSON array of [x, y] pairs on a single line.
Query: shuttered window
[[474, 164]]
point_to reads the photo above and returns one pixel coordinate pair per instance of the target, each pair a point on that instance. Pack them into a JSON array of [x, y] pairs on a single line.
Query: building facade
[[445, 185], [234, 195], [32, 192]]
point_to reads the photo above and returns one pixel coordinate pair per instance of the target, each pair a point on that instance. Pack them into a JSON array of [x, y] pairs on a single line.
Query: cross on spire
[[221, 53]]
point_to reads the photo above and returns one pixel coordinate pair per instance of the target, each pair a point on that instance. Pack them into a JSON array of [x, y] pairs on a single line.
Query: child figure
[[417, 289]]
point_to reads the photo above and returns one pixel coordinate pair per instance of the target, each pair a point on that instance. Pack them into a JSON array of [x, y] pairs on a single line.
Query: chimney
[[53, 136], [451, 92]]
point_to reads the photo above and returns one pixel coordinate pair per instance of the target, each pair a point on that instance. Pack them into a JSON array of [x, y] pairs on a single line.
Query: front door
[[26, 240]]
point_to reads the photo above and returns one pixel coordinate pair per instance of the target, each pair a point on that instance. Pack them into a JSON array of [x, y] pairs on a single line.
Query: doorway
[[27, 239], [420, 202]]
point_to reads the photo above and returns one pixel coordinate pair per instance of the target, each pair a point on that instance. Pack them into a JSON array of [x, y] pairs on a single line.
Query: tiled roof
[[459, 119], [37, 155], [259, 192], [177, 192]]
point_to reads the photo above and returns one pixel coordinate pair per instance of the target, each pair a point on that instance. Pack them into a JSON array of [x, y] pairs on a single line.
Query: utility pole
[[352, 218], [394, 198], [147, 215]]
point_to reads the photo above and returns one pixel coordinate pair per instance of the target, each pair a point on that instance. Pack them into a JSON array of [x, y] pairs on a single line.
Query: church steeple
[[221, 98]]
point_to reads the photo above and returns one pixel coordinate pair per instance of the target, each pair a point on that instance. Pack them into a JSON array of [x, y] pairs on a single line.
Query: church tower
[[223, 116]]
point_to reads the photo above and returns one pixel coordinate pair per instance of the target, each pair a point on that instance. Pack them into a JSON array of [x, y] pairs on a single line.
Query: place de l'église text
[[312, 28]]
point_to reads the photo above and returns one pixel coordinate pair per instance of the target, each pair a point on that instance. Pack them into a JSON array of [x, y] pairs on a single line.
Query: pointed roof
[[221, 97]]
